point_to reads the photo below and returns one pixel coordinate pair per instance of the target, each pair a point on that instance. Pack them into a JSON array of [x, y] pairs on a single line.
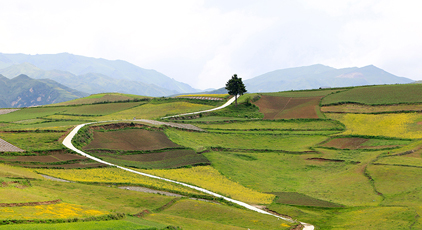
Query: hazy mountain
[[315, 76], [90, 82], [23, 91], [80, 65]]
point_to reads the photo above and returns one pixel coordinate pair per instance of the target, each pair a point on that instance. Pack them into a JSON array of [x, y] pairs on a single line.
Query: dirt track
[[7, 147]]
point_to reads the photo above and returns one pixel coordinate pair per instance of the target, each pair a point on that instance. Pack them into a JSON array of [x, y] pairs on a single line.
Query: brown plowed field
[[274, 107], [158, 160], [345, 143], [159, 156], [44, 159], [131, 139]]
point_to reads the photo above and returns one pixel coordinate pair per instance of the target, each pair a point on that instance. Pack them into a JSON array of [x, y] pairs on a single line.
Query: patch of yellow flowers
[[113, 175], [52, 211], [389, 125], [209, 178]]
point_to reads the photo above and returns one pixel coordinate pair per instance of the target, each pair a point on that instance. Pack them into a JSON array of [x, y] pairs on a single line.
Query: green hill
[[340, 158], [23, 91]]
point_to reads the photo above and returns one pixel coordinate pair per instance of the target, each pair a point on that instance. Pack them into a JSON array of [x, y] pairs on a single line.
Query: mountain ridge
[[23, 91], [316, 76], [117, 69]]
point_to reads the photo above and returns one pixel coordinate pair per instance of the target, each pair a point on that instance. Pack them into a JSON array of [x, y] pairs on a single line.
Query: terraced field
[[356, 164], [276, 107]]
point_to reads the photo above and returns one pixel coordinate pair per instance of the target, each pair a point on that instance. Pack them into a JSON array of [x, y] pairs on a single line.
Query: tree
[[235, 87]]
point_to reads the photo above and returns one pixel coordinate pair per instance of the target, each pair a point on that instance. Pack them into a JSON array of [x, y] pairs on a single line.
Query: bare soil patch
[[6, 111], [131, 139], [345, 143], [274, 107], [156, 160]]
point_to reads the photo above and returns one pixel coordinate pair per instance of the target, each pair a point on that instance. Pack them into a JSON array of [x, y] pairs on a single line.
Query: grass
[[388, 177], [209, 178], [294, 198], [34, 141], [201, 141], [377, 95], [152, 111], [298, 124], [341, 183], [304, 93], [30, 113], [126, 224], [364, 143], [208, 119], [44, 125], [101, 109], [103, 97], [219, 215], [401, 125], [357, 108]]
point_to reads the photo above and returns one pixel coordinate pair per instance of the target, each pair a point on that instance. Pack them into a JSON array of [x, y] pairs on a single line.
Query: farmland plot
[[274, 107]]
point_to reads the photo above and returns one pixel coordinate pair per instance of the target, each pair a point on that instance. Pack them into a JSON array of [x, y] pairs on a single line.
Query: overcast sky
[[203, 43]]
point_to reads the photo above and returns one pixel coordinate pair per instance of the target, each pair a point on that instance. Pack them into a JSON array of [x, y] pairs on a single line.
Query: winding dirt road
[[68, 143]]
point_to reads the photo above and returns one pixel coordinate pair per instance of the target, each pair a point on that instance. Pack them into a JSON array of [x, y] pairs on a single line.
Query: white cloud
[[204, 42]]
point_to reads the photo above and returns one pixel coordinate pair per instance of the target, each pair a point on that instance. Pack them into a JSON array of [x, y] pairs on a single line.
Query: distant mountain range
[[23, 91], [96, 75], [92, 75], [316, 76]]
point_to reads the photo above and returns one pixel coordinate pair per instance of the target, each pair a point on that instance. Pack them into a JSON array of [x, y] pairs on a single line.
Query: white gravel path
[[68, 143]]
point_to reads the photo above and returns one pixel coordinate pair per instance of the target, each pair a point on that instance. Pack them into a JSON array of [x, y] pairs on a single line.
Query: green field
[[201, 141], [377, 95], [357, 164]]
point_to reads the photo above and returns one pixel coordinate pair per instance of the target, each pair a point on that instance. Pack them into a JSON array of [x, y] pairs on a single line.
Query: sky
[[204, 42]]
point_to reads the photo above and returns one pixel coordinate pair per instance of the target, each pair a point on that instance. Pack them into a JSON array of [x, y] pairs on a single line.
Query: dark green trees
[[235, 86]]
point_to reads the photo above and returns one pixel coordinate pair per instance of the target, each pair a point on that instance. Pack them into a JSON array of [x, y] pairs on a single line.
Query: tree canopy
[[235, 86]]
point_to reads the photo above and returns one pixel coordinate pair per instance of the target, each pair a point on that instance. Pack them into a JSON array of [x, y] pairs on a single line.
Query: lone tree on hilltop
[[235, 87]]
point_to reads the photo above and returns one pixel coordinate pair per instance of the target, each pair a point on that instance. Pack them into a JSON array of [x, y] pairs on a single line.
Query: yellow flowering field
[[52, 211], [113, 175], [390, 125], [209, 178]]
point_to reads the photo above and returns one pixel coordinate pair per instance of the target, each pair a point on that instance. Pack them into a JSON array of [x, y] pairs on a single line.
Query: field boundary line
[[67, 142]]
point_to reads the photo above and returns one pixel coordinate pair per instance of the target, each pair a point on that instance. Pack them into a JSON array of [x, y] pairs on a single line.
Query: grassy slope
[[377, 95], [366, 189]]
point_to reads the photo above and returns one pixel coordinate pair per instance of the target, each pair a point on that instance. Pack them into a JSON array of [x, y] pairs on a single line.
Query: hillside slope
[[23, 91]]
